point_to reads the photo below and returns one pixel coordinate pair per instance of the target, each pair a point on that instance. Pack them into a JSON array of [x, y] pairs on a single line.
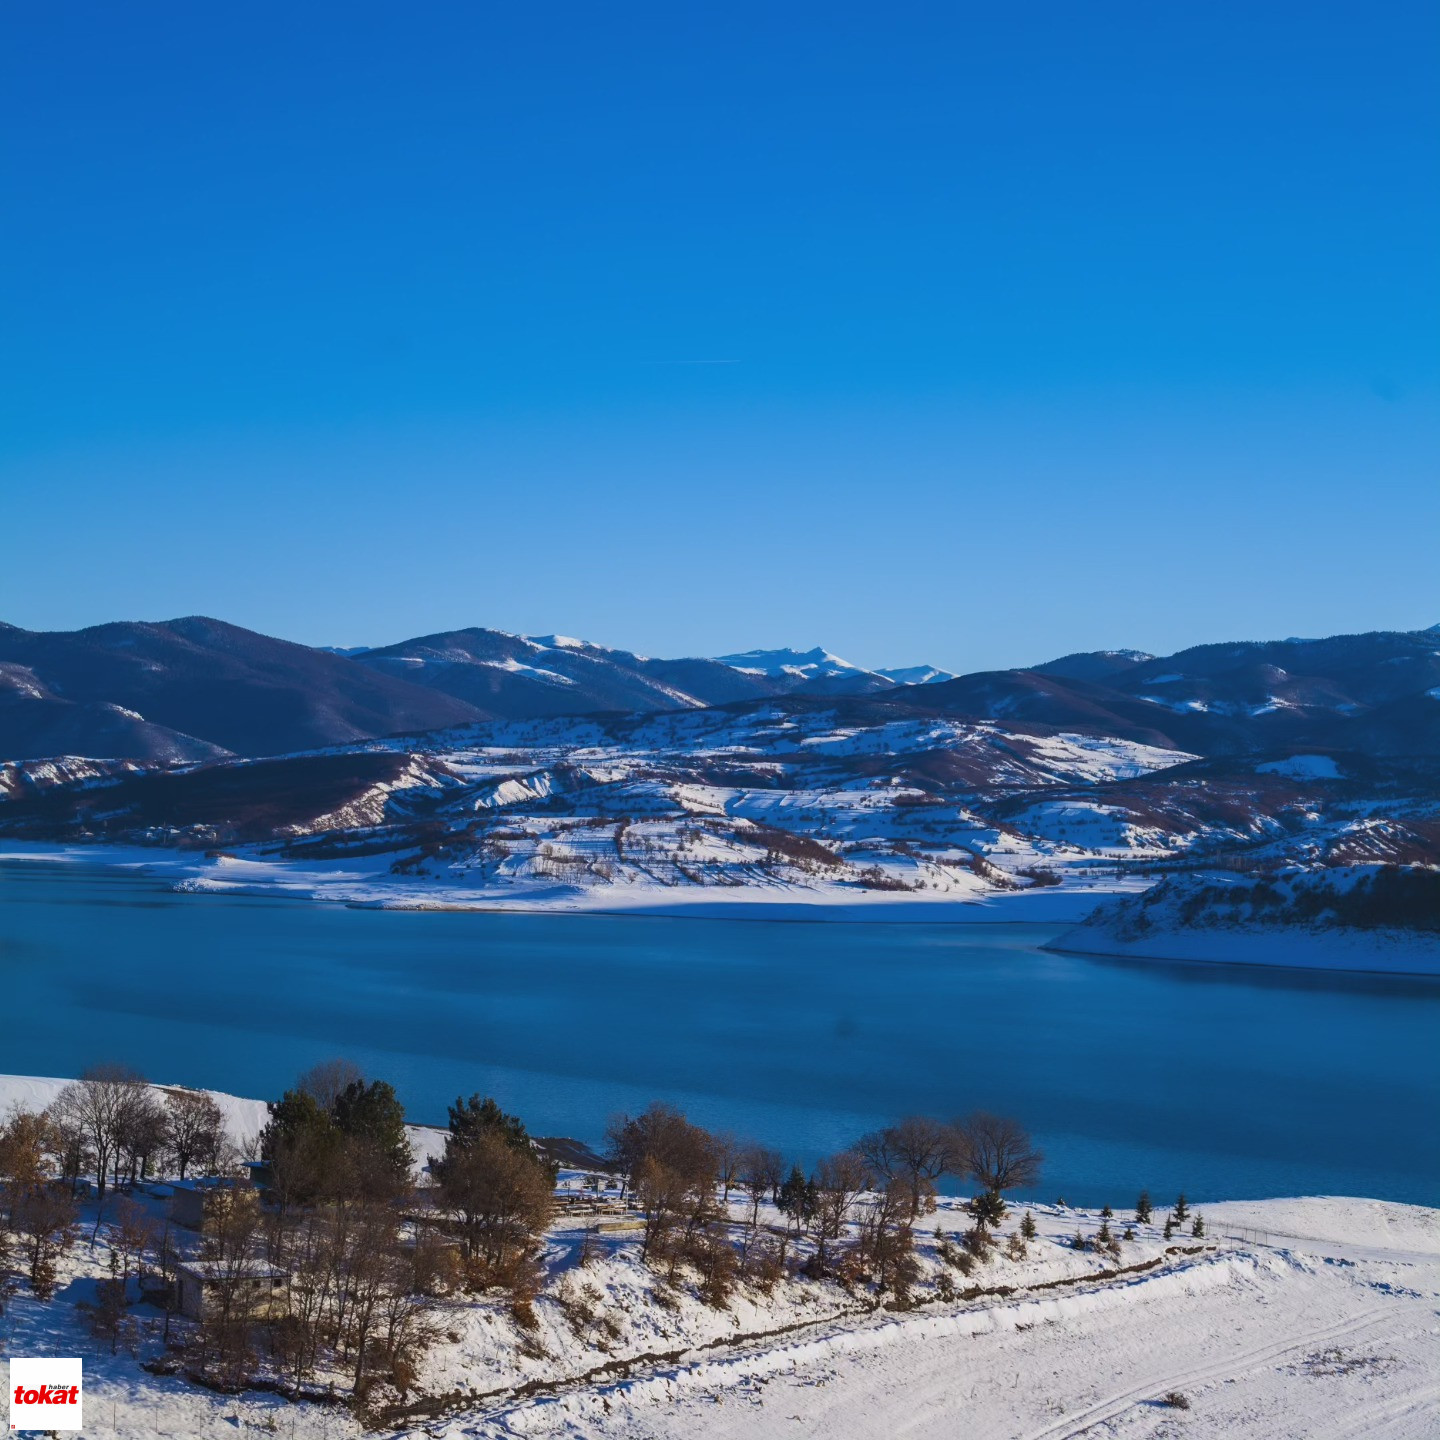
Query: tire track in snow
[[1112, 1406], [1386, 1419]]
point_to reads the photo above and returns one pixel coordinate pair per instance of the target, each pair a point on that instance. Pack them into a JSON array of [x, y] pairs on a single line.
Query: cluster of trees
[[365, 1269], [335, 1136], [358, 1263], [110, 1124], [357, 1267], [859, 1207]]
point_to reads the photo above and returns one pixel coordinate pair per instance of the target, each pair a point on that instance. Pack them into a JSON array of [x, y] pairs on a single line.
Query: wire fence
[[1249, 1236]]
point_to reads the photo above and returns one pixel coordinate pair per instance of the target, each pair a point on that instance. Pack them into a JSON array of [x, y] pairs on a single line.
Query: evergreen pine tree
[[1107, 1213], [473, 1117], [374, 1114], [1129, 1234], [988, 1209], [797, 1198], [1103, 1235], [1198, 1229], [1169, 1226], [1142, 1208], [1182, 1210], [1028, 1229]]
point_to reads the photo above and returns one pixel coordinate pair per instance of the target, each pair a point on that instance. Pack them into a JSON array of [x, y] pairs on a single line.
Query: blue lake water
[[1227, 1082]]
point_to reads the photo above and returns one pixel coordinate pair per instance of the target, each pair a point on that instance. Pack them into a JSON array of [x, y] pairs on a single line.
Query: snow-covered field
[[1261, 1341], [1310, 1317]]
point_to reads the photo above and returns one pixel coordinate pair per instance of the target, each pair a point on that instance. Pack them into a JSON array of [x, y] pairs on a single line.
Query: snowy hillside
[[1295, 1317], [777, 800], [789, 799], [1053, 786], [1356, 917]]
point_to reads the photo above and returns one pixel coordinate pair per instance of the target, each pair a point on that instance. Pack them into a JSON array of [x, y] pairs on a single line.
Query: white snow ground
[[1309, 1317]]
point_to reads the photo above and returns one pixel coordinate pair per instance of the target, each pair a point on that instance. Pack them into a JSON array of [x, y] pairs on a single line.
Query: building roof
[[205, 1183], [232, 1270]]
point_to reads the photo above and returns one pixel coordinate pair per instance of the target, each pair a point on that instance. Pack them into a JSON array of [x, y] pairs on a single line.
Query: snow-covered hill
[[1041, 784], [1355, 917]]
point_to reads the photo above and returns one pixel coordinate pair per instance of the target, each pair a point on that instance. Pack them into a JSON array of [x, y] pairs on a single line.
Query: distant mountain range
[[198, 689], [478, 764]]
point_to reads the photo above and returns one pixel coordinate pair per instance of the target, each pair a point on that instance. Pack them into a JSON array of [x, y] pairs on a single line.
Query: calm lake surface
[[1226, 1082]]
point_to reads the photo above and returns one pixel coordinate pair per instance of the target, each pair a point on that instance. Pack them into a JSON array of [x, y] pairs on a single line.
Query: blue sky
[[958, 333]]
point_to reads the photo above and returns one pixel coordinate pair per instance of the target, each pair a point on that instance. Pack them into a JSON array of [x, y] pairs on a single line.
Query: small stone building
[[190, 1200], [254, 1289]]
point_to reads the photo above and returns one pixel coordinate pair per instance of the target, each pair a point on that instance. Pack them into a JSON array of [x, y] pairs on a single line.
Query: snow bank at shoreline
[[1376, 952], [1374, 918], [351, 883]]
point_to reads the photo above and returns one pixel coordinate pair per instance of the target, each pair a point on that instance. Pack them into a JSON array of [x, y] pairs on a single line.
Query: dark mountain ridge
[[195, 689]]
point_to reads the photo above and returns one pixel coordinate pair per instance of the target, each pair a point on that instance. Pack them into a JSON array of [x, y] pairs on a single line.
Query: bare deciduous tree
[[998, 1152], [839, 1181], [760, 1172], [501, 1194], [885, 1243], [194, 1128], [140, 1136], [327, 1081], [132, 1232], [916, 1151], [96, 1107], [670, 1163], [727, 1151]]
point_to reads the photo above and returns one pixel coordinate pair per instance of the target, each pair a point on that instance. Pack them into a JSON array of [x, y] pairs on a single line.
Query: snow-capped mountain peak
[[794, 664], [561, 642], [917, 675]]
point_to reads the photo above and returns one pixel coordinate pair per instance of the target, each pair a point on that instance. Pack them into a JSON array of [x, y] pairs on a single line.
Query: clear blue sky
[[962, 333]]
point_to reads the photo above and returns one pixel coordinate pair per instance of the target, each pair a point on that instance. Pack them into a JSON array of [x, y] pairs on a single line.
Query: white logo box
[[45, 1394]]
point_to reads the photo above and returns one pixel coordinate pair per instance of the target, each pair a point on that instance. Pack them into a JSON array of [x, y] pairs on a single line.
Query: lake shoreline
[[807, 1034], [1325, 954], [192, 874]]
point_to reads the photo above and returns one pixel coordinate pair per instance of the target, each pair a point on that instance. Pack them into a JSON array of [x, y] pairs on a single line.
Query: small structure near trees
[[207, 1289], [191, 1201]]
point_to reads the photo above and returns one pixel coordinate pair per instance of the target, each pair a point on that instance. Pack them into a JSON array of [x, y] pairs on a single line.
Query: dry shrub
[[765, 1265]]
